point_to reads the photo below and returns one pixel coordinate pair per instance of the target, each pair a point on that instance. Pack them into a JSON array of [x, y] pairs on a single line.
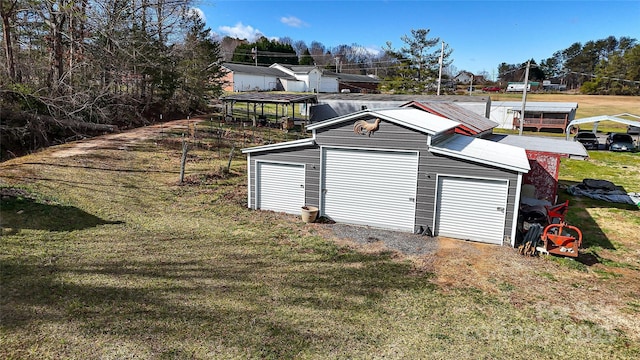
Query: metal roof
[[280, 146], [352, 77], [257, 70], [597, 119], [573, 149], [472, 120], [542, 106], [271, 97], [415, 119], [484, 152], [299, 69], [401, 99], [344, 104]]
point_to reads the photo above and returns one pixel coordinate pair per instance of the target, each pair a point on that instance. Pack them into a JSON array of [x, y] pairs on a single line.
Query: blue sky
[[482, 34]]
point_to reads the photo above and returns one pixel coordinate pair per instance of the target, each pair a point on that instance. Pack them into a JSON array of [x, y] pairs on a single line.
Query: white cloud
[[194, 11], [241, 31], [292, 21]]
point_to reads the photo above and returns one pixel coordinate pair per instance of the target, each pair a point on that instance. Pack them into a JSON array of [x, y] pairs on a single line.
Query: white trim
[[455, 154], [436, 203], [385, 115], [516, 210], [249, 181], [276, 162], [282, 145], [367, 149]]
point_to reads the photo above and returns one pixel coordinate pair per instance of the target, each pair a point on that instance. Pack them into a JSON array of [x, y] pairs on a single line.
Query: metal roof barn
[[395, 168]]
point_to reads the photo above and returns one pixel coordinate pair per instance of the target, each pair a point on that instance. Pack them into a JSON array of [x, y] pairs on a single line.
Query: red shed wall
[[543, 174]]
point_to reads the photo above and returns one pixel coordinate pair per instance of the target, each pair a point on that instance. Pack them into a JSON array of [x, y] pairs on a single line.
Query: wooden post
[[219, 141], [230, 158], [183, 161]]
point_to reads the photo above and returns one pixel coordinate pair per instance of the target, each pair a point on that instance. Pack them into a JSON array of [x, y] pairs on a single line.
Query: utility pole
[[440, 72], [524, 97]]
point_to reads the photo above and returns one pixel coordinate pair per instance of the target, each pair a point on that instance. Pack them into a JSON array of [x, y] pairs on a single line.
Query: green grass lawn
[[103, 255]]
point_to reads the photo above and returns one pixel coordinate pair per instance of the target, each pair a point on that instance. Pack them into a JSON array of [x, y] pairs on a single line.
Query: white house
[[254, 78], [294, 78], [463, 77], [313, 77]]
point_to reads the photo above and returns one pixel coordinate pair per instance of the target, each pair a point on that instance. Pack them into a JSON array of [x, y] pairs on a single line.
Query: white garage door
[[280, 187], [370, 187], [471, 209]]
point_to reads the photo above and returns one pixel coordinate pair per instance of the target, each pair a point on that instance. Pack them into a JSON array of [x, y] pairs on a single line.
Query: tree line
[[605, 66], [411, 69], [74, 68]]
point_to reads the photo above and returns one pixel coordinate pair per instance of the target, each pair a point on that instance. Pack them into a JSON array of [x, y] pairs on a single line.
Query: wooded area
[[76, 68], [605, 67]]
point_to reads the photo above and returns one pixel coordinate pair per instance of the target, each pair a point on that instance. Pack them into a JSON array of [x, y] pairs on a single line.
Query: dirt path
[[120, 140]]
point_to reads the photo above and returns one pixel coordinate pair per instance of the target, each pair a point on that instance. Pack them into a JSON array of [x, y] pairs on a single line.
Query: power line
[[603, 77]]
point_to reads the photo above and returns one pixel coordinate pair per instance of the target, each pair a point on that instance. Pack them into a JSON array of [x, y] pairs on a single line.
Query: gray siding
[[431, 164], [392, 136], [309, 155], [388, 136]]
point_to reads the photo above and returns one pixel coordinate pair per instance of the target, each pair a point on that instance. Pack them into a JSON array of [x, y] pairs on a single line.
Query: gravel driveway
[[406, 243]]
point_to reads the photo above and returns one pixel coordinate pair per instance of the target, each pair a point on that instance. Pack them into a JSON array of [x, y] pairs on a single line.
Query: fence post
[[244, 137], [230, 158], [219, 141], [183, 161]]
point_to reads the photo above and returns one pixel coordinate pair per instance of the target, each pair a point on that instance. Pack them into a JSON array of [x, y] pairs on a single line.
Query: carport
[[596, 120], [281, 101]]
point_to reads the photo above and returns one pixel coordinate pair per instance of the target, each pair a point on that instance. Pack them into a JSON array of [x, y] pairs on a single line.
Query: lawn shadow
[[579, 216], [244, 294], [22, 211], [98, 156]]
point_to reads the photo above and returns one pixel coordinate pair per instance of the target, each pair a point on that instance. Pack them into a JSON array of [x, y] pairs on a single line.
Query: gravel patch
[[406, 243]]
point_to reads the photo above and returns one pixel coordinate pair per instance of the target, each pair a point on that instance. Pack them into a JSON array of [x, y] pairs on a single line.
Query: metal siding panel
[[438, 164], [310, 156], [470, 209], [280, 187], [388, 136], [368, 187]]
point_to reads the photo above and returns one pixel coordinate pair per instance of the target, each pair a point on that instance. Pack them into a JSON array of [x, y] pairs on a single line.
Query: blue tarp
[[604, 190]]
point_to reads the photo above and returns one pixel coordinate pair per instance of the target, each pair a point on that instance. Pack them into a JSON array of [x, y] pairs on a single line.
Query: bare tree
[[8, 9]]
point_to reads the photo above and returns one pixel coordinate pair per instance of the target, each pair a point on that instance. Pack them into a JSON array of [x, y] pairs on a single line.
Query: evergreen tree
[[265, 52], [306, 58], [416, 64], [199, 67]]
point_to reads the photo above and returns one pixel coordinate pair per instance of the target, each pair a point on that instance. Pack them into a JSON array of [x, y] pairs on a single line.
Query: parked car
[[620, 142], [588, 139], [491, 89], [635, 130]]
